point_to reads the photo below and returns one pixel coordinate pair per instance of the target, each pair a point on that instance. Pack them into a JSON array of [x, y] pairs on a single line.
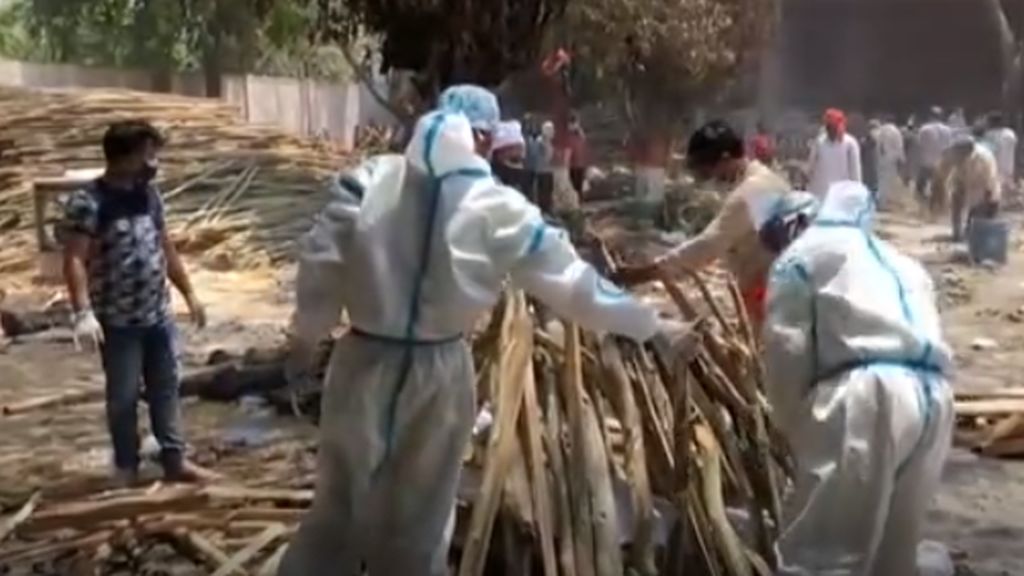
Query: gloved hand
[[677, 342], [299, 369], [86, 328]]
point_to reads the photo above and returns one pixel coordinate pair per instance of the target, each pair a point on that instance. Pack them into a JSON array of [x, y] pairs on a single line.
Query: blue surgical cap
[[477, 104]]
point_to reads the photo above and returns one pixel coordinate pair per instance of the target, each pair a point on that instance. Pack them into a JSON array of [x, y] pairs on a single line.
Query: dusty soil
[[979, 513]]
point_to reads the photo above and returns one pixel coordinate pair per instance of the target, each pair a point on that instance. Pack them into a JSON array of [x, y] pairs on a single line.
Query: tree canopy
[[271, 36], [656, 55], [447, 41], [663, 56]]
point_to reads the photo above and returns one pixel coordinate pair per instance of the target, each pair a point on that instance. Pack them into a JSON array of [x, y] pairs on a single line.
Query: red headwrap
[[834, 118]]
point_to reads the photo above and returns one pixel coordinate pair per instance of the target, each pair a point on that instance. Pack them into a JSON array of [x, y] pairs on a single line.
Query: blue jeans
[[133, 356]]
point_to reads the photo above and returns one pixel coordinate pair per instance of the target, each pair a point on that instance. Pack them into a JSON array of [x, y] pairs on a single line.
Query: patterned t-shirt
[[127, 267]]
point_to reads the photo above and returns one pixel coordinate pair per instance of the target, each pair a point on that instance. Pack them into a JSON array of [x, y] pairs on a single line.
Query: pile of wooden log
[[576, 415], [248, 190], [159, 529], [991, 422]]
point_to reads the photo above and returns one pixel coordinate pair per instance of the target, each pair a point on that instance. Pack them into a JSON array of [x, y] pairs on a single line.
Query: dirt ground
[[979, 513]]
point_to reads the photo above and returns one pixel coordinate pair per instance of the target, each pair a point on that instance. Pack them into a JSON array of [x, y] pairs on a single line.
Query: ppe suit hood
[[478, 105], [847, 204], [442, 145]]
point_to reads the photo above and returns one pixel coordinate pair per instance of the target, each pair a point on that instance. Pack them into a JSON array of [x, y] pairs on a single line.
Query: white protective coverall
[[857, 372], [416, 248], [891, 154]]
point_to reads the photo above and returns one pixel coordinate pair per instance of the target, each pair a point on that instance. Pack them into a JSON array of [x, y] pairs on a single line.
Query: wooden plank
[[557, 453], [10, 523], [577, 469], [82, 515], [282, 515], [266, 538], [204, 552], [270, 566], [63, 399], [295, 497], [989, 407], [544, 514], [1009, 427], [516, 355], [50, 548], [641, 556], [1007, 448], [1013, 392]]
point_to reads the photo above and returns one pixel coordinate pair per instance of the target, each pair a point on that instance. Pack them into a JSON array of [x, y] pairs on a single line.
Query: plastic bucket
[[988, 240]]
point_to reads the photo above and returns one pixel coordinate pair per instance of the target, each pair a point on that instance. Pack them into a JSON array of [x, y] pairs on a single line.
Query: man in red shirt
[[761, 146], [578, 160]]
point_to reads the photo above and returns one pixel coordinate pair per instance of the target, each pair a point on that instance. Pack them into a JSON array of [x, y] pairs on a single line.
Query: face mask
[[149, 171], [511, 176]]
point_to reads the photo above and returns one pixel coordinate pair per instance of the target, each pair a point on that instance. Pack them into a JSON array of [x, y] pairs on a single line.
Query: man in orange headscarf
[[835, 155]]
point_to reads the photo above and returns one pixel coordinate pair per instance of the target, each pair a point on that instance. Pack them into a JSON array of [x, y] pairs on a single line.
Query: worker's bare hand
[[196, 310], [635, 275]]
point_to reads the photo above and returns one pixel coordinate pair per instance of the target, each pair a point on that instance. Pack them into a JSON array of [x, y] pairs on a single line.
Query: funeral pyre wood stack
[[575, 419], [698, 437], [248, 190]]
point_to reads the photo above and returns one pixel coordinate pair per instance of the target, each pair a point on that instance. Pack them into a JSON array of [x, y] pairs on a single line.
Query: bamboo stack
[[572, 417], [248, 190]]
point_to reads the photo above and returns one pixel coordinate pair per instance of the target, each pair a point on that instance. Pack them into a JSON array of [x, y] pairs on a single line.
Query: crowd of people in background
[[550, 170], [946, 162]]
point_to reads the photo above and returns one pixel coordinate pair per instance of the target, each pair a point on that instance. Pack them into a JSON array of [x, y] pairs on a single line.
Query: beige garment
[[977, 173], [733, 234], [565, 196]]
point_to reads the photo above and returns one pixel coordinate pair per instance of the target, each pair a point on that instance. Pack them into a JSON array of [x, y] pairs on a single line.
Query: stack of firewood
[[991, 422], [576, 415], [213, 530], [249, 190]]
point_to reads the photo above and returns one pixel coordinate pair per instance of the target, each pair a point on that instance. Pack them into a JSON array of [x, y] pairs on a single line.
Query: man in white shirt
[[967, 177], [835, 155], [934, 138], [891, 156], [1003, 141], [958, 122]]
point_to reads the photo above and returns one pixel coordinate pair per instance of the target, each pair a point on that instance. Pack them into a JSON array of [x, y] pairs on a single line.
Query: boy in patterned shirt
[[118, 258]]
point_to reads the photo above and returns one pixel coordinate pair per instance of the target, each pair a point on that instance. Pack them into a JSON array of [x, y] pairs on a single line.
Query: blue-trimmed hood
[[443, 144], [849, 204]]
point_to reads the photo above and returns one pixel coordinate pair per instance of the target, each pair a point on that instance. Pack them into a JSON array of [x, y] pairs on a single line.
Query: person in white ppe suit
[[416, 248], [891, 157], [857, 374]]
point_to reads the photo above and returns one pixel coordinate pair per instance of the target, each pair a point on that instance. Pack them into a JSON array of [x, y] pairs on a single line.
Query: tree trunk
[[163, 80], [213, 66], [1009, 55], [650, 149]]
